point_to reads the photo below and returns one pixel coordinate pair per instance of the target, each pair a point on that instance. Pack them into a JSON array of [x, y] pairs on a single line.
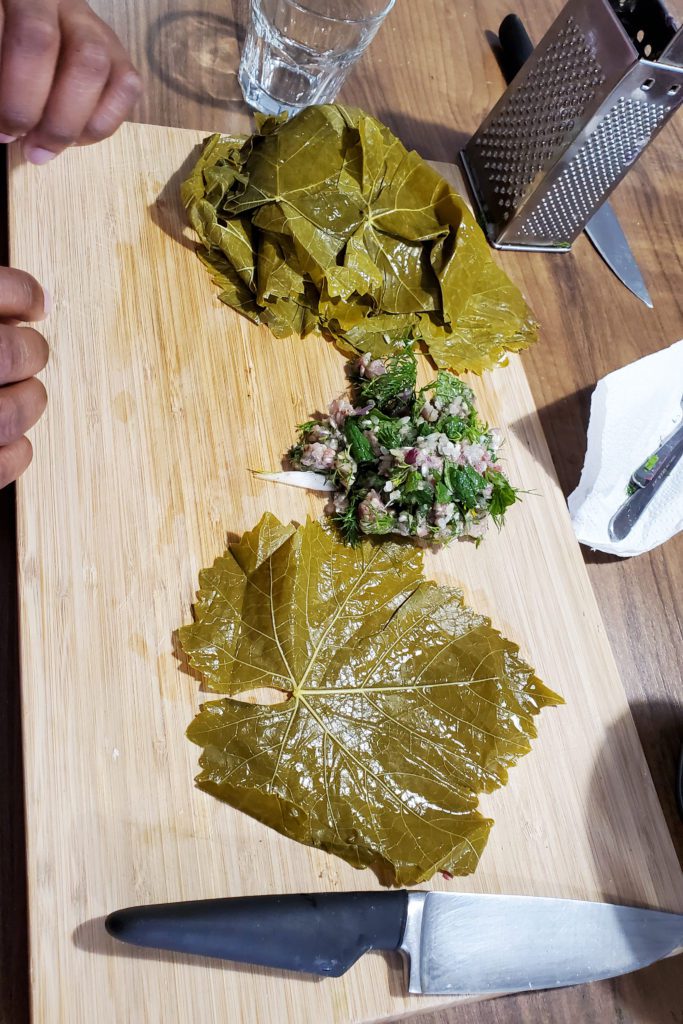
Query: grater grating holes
[[582, 186], [538, 121]]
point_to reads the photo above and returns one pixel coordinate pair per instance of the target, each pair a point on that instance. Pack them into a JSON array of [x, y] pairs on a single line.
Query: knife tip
[[641, 292]]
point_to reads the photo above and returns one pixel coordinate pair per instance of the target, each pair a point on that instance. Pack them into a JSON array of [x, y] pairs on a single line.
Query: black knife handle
[[318, 933], [515, 44]]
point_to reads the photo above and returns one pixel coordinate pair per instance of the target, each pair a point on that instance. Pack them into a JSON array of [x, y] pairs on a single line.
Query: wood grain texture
[[165, 402], [431, 74]]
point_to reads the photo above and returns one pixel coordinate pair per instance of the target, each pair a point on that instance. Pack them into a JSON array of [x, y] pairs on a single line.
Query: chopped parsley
[[417, 463]]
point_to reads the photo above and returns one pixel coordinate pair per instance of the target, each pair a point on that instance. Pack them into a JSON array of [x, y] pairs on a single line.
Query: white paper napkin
[[632, 411]]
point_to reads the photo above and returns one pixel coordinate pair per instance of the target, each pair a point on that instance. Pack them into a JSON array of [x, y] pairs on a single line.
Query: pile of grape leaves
[[325, 222], [401, 704]]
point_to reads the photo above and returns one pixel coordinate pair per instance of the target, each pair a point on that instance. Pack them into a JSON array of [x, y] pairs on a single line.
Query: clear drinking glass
[[298, 52]]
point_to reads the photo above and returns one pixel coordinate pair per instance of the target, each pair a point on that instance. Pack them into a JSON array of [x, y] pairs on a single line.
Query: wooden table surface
[[431, 76]]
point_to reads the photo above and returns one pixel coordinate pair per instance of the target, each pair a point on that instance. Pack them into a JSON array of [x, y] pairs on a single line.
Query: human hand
[[23, 353], [65, 78]]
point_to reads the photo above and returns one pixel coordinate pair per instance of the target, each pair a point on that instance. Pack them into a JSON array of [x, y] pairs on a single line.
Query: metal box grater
[[596, 90]]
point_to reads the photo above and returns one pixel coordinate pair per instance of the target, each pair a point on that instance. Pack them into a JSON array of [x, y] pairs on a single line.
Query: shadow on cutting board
[[659, 724], [653, 994], [565, 426], [167, 211]]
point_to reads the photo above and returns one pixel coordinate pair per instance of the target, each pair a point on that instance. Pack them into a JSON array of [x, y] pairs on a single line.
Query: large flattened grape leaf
[[399, 703], [326, 222]]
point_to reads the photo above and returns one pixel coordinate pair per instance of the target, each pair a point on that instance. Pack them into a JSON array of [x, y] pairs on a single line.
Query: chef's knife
[[603, 229], [454, 943]]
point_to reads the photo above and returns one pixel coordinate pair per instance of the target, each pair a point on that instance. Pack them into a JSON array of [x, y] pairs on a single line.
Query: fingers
[[94, 88], [28, 57], [21, 297], [122, 92], [21, 406], [14, 459], [81, 76], [23, 353], [64, 76]]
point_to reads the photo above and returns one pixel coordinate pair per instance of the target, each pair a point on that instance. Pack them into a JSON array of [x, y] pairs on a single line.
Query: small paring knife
[[603, 229], [453, 943], [645, 483]]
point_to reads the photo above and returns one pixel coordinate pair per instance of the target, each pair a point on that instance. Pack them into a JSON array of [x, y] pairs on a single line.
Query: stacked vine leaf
[[327, 223]]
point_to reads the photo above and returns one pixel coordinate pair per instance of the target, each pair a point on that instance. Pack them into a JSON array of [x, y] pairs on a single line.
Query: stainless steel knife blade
[[472, 944], [603, 229], [607, 236], [454, 943], [628, 514]]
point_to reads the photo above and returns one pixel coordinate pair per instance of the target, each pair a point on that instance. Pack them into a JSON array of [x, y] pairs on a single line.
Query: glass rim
[[301, 6]]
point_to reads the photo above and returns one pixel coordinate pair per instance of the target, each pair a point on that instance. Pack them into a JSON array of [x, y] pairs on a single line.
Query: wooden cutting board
[[161, 401]]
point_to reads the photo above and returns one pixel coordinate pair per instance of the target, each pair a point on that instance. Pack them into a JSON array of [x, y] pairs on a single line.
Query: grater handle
[[515, 44]]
